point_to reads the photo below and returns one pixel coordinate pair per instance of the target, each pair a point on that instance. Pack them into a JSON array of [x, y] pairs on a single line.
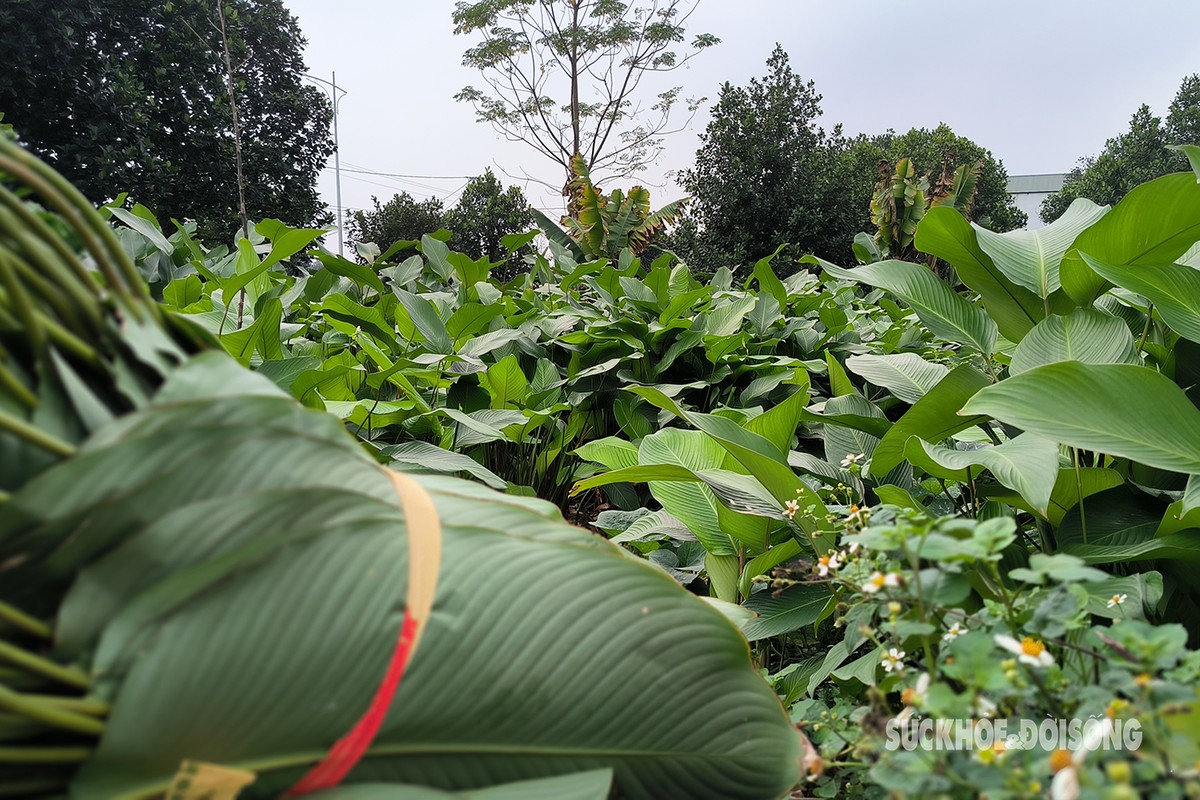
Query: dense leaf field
[[820, 497]]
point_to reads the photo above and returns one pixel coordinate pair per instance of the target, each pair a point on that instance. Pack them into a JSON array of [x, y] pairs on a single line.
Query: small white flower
[[912, 697], [984, 708], [1028, 651], [1117, 600], [853, 459], [852, 547], [1065, 783], [878, 581], [893, 661], [956, 630], [828, 564], [790, 508]]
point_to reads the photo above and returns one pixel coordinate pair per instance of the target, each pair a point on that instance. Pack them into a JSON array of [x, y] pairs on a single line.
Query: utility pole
[[337, 158]]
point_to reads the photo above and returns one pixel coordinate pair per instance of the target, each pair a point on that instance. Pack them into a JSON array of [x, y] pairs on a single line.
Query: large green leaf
[[361, 274], [1031, 258], [426, 457], [1174, 289], [594, 785], [244, 604], [906, 375], [286, 241], [693, 504], [470, 318], [506, 383], [339, 308], [942, 309], [850, 411], [1069, 486], [945, 233], [778, 424], [1191, 496], [1117, 526], [262, 337], [1027, 464], [840, 384], [610, 451], [1086, 335], [744, 513], [758, 455], [1144, 590], [768, 281], [933, 418], [1154, 224], [425, 317], [1119, 409], [787, 611]]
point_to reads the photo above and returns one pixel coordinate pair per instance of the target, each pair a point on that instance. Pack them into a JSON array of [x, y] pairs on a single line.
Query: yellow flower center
[[877, 581], [1032, 647], [1059, 760], [1142, 680], [909, 697]]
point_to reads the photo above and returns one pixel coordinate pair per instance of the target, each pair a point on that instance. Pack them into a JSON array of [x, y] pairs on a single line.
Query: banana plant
[[902, 199], [897, 206], [604, 225]]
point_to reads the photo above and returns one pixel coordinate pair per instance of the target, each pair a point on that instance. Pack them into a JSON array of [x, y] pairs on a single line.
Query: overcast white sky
[[1038, 83]]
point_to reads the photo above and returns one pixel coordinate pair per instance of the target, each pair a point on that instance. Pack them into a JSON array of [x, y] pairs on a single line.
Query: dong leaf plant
[[1071, 404]]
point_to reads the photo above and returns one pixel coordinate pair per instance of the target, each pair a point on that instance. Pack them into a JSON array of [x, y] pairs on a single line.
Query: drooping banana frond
[[654, 224], [958, 191], [605, 225]]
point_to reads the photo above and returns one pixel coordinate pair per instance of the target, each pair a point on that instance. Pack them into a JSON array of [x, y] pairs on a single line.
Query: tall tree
[[563, 76], [486, 212], [1135, 156], [132, 97], [766, 174]]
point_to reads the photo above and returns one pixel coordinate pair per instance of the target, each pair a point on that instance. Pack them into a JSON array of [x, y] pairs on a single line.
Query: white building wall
[[1031, 204]]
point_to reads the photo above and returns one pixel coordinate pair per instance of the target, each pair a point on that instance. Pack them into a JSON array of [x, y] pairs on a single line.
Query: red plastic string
[[350, 749]]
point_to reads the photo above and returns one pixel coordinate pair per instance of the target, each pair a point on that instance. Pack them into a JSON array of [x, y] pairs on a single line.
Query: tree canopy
[[564, 76], [766, 173], [1135, 156], [486, 212], [401, 218], [131, 97]]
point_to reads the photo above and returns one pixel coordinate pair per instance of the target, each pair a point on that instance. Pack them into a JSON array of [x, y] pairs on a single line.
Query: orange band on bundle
[[424, 559]]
